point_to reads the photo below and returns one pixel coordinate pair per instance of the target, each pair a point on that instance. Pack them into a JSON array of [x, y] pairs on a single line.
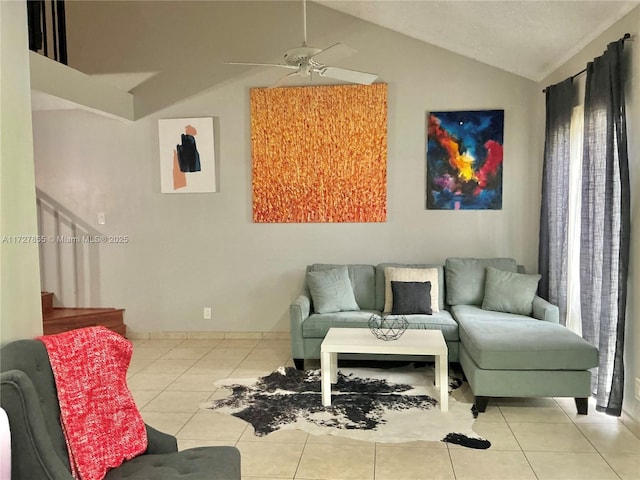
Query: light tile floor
[[531, 438]]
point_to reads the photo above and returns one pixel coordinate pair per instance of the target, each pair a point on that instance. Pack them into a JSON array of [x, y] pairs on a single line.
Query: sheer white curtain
[[574, 319]]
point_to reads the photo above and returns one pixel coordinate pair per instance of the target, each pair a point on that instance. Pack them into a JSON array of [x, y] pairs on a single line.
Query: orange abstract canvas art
[[319, 154]]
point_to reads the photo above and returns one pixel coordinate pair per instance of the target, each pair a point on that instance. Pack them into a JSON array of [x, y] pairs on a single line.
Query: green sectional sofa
[[508, 340]]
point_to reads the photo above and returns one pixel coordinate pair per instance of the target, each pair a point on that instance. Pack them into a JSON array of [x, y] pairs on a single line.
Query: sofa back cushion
[[30, 356], [362, 280], [381, 285], [465, 277]]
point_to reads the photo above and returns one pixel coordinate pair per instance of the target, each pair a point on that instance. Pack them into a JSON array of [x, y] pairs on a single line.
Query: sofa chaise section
[[506, 354], [525, 357]]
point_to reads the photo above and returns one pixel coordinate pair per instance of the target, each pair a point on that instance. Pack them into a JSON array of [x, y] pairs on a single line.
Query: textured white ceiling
[[528, 38]]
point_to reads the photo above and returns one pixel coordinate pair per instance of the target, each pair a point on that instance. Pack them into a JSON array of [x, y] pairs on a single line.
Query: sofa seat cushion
[[441, 320], [504, 341], [220, 463], [318, 324]]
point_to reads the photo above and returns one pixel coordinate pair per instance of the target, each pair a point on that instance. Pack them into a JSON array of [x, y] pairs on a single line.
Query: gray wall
[[190, 251]]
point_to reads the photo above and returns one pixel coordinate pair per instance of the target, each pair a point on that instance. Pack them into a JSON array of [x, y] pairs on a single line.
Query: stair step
[[63, 313], [64, 319], [47, 302]]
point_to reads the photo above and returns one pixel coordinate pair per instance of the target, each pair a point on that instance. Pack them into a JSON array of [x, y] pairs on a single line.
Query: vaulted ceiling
[[161, 61], [528, 38]]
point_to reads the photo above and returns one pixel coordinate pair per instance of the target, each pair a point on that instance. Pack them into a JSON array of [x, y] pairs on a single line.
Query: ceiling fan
[[307, 61]]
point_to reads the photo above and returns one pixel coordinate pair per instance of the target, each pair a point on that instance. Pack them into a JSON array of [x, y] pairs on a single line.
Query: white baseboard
[[137, 335], [631, 423]]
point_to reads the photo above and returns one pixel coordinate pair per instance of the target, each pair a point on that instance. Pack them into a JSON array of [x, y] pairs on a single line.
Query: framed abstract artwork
[[319, 154], [187, 156], [464, 160]]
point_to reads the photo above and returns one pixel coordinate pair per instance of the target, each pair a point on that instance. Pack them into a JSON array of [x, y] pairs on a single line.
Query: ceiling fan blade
[[282, 80], [352, 76], [333, 53], [263, 65]]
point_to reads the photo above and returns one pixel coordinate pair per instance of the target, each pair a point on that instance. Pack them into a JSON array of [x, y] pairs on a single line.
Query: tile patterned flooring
[[531, 438]]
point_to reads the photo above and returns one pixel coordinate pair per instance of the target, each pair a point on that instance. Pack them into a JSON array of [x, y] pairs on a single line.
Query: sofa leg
[[481, 403], [299, 363], [582, 405]]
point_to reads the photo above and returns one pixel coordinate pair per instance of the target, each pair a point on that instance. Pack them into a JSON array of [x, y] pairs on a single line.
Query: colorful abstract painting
[[464, 160], [187, 157], [319, 154]]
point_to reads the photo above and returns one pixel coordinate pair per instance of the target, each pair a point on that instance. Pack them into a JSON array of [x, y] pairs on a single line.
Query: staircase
[[70, 266], [60, 319]]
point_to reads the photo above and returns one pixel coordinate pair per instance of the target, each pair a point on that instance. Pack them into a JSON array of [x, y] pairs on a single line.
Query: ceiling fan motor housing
[[300, 55]]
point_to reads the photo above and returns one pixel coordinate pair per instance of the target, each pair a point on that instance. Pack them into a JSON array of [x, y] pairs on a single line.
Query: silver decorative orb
[[388, 327]]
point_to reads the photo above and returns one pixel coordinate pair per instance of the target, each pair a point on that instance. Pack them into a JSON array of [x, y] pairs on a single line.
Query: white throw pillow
[[411, 275]]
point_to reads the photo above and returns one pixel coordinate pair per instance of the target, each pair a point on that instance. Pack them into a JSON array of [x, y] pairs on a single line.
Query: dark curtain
[[604, 255], [552, 257]]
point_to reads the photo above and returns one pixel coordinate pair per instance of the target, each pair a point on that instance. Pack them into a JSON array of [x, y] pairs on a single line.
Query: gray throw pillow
[[331, 290], [411, 298], [509, 292]]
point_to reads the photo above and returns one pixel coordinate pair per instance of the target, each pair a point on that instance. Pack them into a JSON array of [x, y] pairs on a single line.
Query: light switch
[[101, 218]]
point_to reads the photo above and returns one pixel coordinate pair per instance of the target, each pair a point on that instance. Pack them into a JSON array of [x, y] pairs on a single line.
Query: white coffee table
[[361, 340]]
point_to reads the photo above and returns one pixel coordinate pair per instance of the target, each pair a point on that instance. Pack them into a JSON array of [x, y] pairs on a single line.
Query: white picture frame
[[187, 155]]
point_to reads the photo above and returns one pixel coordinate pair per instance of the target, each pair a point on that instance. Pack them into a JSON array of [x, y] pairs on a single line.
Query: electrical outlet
[[206, 313], [637, 388]]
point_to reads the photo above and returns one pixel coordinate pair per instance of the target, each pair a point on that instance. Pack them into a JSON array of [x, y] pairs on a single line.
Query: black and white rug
[[370, 404]]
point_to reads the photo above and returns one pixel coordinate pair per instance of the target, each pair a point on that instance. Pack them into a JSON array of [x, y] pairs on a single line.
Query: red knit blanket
[[101, 422]]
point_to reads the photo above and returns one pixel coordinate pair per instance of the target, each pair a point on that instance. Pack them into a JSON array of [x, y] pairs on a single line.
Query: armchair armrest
[[298, 311], [543, 310], [159, 442]]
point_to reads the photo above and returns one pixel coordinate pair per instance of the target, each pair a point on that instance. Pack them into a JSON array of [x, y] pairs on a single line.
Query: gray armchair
[[38, 448]]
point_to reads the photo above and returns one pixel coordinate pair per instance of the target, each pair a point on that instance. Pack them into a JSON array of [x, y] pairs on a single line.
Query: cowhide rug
[[389, 406]]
